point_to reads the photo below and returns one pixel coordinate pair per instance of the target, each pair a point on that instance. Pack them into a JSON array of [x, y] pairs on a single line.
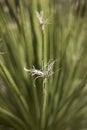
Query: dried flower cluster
[[45, 72], [41, 20]]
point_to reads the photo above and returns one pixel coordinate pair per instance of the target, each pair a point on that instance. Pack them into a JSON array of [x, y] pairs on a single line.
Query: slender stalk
[[44, 107], [44, 84], [43, 48], [42, 23]]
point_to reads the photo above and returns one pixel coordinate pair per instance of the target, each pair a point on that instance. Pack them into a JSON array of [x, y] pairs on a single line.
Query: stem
[[44, 107], [44, 87], [42, 48]]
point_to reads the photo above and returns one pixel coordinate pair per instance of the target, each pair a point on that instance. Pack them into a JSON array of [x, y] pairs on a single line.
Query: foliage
[[22, 99]]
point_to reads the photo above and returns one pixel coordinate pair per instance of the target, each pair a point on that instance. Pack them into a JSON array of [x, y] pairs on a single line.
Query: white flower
[[45, 72]]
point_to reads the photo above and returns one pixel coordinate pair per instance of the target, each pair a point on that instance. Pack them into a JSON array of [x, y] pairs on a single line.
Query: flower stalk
[[42, 25], [42, 48]]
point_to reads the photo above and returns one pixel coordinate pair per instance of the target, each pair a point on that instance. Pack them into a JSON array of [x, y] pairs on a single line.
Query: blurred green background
[[62, 103]]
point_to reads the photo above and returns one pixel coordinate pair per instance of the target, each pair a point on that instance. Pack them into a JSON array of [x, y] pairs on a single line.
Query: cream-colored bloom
[[45, 72]]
